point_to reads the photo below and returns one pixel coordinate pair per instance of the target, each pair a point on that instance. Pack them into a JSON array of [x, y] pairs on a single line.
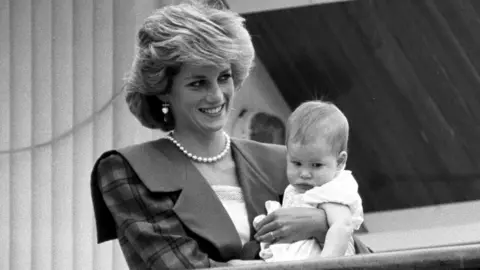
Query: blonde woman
[[187, 200]]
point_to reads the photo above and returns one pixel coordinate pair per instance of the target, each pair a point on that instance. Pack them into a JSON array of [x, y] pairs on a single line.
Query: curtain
[[62, 64]]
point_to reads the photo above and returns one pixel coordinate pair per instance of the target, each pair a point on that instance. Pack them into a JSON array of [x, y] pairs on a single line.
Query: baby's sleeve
[[343, 190]]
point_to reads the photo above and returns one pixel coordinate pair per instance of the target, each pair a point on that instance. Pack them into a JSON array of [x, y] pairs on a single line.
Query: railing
[[452, 257]]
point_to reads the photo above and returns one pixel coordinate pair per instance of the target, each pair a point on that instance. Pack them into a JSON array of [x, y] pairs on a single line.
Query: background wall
[[259, 93], [409, 87], [61, 70], [406, 74]]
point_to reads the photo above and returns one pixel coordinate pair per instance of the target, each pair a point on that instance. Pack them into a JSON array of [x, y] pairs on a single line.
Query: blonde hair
[[189, 33], [318, 119]]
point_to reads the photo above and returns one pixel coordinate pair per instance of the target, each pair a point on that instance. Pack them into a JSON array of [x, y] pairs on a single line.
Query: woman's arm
[[146, 220]]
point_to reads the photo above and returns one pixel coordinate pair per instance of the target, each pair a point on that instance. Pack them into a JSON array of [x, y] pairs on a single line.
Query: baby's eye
[[296, 163], [316, 165]]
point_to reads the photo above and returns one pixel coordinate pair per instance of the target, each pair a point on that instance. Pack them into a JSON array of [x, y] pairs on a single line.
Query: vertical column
[[102, 94], [62, 181], [42, 135], [5, 140], [123, 48], [21, 134], [83, 40]]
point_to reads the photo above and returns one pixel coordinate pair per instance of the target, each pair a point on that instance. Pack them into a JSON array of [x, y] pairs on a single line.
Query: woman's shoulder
[[110, 167], [265, 155], [267, 159], [122, 157], [151, 163], [110, 157], [259, 147], [115, 163]]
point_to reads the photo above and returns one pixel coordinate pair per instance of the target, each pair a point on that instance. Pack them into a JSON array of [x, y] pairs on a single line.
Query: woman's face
[[200, 97]]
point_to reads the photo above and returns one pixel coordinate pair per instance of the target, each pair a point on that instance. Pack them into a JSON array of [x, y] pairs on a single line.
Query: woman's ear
[[342, 160]]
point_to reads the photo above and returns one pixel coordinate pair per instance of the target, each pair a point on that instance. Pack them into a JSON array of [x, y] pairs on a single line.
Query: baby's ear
[[342, 160]]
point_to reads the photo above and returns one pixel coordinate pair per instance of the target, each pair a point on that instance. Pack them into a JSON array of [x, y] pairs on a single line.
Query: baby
[[317, 137]]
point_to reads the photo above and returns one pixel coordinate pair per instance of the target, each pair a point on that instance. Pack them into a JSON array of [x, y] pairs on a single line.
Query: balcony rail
[[451, 257]]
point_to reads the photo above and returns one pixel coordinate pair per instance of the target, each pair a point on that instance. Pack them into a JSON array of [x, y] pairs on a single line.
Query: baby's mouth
[[304, 187]]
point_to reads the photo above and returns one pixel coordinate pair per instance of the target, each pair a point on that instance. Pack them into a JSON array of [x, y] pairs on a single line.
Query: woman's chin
[[214, 127], [213, 124]]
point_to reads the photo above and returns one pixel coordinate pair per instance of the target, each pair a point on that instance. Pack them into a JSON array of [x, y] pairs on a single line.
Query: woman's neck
[[201, 144]]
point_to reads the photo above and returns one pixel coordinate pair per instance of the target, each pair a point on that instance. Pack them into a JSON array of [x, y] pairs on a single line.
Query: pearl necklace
[[201, 159]]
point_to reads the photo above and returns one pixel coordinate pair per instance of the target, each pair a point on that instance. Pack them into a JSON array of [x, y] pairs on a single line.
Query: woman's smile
[[213, 111]]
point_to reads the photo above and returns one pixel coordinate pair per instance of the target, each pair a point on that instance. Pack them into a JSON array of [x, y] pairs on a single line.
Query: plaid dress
[[151, 198], [151, 236]]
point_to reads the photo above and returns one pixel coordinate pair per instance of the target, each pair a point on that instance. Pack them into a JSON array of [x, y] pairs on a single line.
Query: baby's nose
[[305, 175]]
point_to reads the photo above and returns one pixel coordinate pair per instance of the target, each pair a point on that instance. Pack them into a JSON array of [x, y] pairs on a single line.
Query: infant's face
[[310, 165]]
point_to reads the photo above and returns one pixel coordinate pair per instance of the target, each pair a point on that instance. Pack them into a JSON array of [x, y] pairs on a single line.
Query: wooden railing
[[452, 257]]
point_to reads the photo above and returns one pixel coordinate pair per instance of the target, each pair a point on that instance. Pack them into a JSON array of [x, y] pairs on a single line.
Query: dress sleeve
[[146, 220]]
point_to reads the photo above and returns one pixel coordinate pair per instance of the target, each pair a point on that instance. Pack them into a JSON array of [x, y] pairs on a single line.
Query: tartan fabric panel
[[150, 234]]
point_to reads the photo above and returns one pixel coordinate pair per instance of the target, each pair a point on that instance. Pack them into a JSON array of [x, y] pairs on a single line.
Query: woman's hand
[[287, 225]]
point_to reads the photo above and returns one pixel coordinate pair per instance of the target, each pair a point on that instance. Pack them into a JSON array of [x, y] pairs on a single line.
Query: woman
[[188, 200]]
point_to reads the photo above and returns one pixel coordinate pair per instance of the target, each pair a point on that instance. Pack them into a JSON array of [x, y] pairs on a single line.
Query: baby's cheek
[[320, 178], [291, 175]]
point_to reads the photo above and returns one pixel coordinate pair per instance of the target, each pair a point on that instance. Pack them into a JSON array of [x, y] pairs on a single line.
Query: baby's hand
[[257, 220], [270, 206], [266, 253]]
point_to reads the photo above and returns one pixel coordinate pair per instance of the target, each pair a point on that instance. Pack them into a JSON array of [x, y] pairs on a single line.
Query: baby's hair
[[314, 119]]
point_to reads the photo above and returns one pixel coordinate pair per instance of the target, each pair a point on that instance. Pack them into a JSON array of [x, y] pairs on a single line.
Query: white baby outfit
[[342, 189]]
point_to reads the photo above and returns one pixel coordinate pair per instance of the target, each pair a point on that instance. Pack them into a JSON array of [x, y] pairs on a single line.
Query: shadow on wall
[[259, 126]]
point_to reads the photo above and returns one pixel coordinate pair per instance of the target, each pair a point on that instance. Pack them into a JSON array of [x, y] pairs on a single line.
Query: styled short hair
[[188, 33], [314, 119]]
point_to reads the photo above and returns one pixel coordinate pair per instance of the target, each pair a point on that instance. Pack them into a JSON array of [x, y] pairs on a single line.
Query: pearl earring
[[165, 109]]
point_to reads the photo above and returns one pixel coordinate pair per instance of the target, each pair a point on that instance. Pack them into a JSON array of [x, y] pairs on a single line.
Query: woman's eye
[[225, 77], [197, 83]]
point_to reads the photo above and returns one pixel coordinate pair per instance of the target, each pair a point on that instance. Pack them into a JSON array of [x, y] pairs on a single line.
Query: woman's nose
[[215, 93]]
